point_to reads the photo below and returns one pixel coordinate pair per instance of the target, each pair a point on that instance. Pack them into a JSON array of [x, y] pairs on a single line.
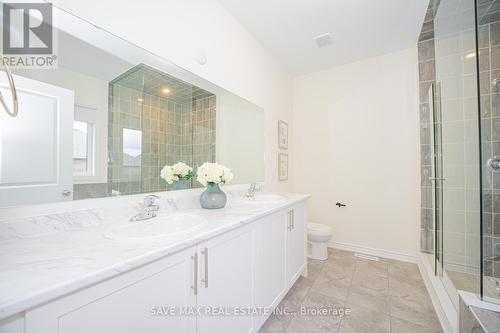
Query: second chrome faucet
[[148, 209]]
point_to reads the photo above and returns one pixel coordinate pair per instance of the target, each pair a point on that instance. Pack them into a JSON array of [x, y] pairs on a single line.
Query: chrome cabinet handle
[[205, 255], [195, 284], [289, 227], [66, 193], [15, 110], [292, 213]]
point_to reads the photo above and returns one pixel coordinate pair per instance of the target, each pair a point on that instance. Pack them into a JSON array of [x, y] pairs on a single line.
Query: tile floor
[[385, 296]]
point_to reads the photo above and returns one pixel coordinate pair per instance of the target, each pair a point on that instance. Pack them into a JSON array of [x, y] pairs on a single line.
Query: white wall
[[178, 30], [239, 140], [356, 141]]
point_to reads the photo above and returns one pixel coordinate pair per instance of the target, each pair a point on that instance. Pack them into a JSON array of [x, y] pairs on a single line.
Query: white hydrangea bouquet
[[212, 175], [179, 172]]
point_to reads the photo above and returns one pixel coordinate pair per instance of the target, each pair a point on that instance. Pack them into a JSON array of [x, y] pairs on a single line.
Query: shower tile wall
[[427, 77], [203, 127], [456, 74], [489, 64], [460, 143], [124, 176], [171, 132], [163, 139]]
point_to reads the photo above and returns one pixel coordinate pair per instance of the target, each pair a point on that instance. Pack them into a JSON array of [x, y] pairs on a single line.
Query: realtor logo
[[28, 35]]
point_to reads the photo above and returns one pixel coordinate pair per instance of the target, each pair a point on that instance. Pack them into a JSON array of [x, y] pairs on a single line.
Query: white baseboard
[[374, 252]]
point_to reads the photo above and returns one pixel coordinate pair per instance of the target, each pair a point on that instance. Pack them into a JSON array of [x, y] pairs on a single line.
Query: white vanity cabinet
[[226, 281], [270, 262], [296, 257], [125, 303], [251, 266]]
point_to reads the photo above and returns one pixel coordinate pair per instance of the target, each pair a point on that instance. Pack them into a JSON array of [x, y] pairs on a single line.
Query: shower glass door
[[456, 155]]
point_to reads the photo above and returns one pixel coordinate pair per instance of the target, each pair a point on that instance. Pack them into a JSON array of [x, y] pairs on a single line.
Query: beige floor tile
[[371, 268], [301, 288], [314, 267], [344, 329], [294, 298], [403, 326], [339, 253], [377, 283], [382, 296], [365, 320], [416, 312], [403, 270], [272, 325], [330, 284], [378, 301], [407, 288], [341, 260], [311, 322], [340, 268]]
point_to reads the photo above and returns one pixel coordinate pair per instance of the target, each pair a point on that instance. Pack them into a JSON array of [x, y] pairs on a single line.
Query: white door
[[226, 282], [296, 242], [270, 253], [36, 162]]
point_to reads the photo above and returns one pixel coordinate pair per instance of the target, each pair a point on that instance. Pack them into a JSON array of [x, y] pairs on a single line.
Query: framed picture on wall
[[282, 167], [282, 134]]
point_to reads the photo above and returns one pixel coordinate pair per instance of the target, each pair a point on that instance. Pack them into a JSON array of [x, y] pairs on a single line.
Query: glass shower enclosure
[[463, 242]]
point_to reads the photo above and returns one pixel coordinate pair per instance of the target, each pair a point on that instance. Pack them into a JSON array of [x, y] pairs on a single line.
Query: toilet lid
[[318, 227]]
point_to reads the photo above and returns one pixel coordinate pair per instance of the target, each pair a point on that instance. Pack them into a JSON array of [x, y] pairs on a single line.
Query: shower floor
[[470, 283]]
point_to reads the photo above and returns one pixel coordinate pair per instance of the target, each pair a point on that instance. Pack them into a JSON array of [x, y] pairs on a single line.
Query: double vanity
[[185, 270], [104, 133]]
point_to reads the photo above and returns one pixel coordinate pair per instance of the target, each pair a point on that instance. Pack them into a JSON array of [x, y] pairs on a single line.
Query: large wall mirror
[[107, 119]]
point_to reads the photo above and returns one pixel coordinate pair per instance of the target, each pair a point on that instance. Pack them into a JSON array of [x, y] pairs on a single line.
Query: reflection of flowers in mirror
[[178, 171], [213, 173]]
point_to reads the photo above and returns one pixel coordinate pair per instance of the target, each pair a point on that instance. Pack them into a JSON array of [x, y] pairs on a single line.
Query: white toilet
[[317, 235]]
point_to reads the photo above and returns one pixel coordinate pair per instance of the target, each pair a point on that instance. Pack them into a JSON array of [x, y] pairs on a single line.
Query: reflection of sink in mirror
[[265, 198], [156, 228]]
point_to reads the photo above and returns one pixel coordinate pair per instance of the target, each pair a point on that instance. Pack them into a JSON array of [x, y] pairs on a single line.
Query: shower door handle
[[436, 178], [494, 163]]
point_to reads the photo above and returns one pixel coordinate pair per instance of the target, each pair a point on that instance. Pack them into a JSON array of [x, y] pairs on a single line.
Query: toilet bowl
[[317, 235]]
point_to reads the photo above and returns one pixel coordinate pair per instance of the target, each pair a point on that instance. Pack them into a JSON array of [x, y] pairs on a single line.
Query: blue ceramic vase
[[181, 184], [213, 197]]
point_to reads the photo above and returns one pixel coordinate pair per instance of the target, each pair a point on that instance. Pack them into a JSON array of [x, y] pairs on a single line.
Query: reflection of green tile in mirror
[[171, 123]]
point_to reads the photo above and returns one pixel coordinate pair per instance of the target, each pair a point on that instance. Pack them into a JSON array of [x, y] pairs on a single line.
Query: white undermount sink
[[263, 198], [157, 227]]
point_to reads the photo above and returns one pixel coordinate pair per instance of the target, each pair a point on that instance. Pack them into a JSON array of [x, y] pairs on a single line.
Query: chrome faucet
[[251, 190], [147, 209]]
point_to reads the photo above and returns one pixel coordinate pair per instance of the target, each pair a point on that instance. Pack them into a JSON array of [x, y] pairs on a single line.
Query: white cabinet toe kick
[[230, 283]]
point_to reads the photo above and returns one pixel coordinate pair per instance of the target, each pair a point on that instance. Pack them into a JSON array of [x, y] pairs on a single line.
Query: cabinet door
[[130, 303], [296, 242], [270, 248], [226, 281]]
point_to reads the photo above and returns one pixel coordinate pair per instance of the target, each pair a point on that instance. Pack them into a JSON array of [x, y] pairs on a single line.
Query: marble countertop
[[45, 257]]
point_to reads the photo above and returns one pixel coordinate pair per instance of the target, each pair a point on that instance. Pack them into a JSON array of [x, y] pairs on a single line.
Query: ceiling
[[151, 81], [360, 29]]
